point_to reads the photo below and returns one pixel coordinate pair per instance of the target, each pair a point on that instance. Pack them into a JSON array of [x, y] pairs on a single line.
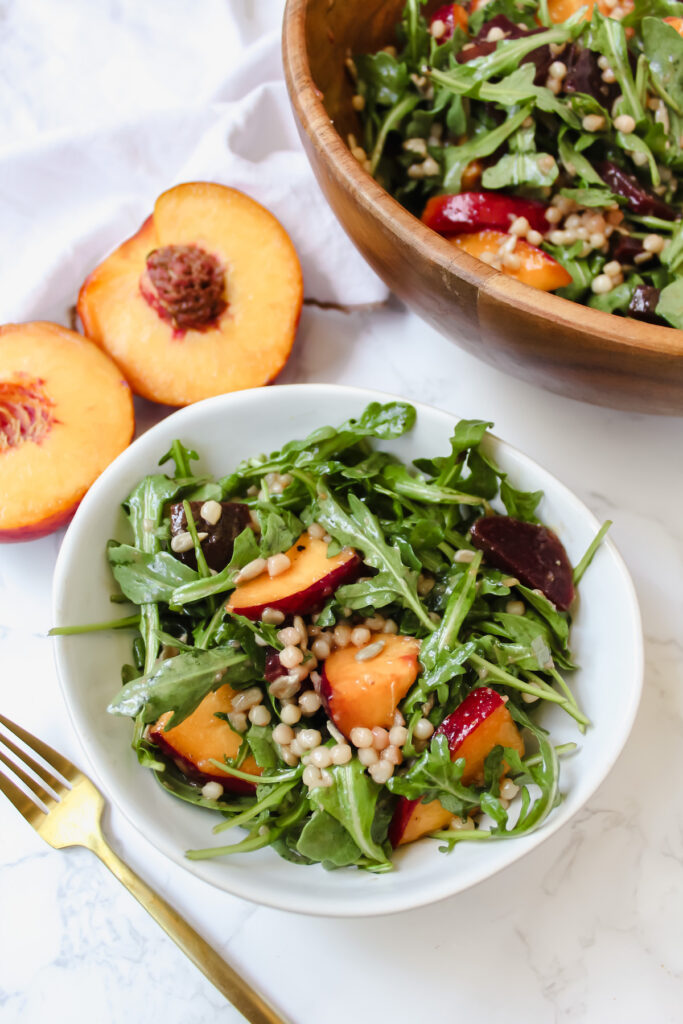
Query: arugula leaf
[[351, 800], [520, 504], [400, 480], [326, 840], [456, 158], [663, 48], [359, 528], [670, 304], [600, 197], [245, 550], [180, 684], [519, 169], [619, 299], [433, 776], [146, 578], [607, 36], [672, 254], [382, 78]]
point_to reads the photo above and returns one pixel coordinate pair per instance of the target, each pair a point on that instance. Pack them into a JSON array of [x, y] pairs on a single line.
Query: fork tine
[[34, 787], [23, 803], [55, 760], [24, 759]]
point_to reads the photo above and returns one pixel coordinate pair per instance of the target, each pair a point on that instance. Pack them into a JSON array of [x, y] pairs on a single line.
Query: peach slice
[[311, 578], [480, 723], [201, 737], [367, 692], [537, 268], [204, 299], [65, 413]]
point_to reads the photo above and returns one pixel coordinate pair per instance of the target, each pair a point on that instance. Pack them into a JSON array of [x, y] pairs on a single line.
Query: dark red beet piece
[[585, 75], [624, 248], [640, 200], [218, 545], [474, 211], [643, 305], [534, 554], [273, 669]]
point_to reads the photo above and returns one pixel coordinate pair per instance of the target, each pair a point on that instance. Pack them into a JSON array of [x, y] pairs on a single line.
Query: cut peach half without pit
[[311, 578], [203, 300], [65, 413], [202, 738]]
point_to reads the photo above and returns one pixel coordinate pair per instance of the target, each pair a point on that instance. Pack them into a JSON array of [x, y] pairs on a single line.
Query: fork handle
[[238, 991]]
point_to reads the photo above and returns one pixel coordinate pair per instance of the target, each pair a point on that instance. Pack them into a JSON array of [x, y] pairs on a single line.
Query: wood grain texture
[[544, 339]]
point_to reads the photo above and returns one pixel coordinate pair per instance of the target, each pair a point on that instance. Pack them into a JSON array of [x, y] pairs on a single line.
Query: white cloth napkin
[[108, 104]]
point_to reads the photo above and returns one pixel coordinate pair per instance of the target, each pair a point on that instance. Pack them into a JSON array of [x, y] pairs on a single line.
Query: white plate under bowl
[[606, 641]]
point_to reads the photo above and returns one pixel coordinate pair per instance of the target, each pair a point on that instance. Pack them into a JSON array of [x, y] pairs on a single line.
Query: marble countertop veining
[[587, 929]]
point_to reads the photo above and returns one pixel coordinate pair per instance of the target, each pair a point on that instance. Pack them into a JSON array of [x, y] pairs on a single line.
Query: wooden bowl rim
[[307, 102]]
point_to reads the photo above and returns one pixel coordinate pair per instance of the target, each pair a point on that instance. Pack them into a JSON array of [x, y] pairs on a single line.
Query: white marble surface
[[588, 929]]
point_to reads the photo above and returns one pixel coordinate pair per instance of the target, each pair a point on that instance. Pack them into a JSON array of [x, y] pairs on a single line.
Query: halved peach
[[65, 413], [202, 737], [480, 723], [367, 692], [204, 299], [537, 268], [311, 578], [560, 10]]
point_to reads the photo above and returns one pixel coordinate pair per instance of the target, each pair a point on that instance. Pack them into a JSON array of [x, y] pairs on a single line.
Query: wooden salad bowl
[[557, 344]]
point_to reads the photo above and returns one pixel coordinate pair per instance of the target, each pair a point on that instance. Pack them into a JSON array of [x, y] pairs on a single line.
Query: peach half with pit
[[202, 738], [204, 299], [480, 723], [302, 588], [65, 413]]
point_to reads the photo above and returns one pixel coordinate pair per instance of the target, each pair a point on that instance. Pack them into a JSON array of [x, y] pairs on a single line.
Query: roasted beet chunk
[[585, 75], [639, 199], [643, 304], [217, 547], [534, 554], [624, 248]]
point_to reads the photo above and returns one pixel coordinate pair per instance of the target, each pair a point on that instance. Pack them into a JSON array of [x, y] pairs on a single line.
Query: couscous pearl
[[300, 626], [291, 656], [423, 729], [309, 738], [368, 756], [603, 62], [398, 734], [284, 688], [624, 123], [375, 622], [311, 777], [358, 102], [212, 791], [608, 76], [272, 616], [512, 261], [597, 239], [182, 542], [398, 718], [321, 757], [380, 738], [238, 720], [390, 627], [392, 754], [289, 758], [321, 649], [653, 243], [283, 734], [509, 790], [360, 636], [515, 608], [464, 555], [613, 268], [557, 69], [260, 715], [602, 284], [593, 122], [381, 772], [309, 702], [553, 215], [290, 714], [342, 635], [529, 698], [341, 754], [316, 531], [361, 737], [437, 28], [461, 825], [288, 635], [534, 237]]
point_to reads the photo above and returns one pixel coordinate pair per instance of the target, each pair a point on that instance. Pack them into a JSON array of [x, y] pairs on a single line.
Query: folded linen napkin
[[112, 103]]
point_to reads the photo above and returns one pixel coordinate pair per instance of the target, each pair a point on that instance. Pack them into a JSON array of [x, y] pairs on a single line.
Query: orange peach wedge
[[204, 299], [65, 413]]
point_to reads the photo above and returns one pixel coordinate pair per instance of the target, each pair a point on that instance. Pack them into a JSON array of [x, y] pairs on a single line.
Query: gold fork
[[70, 816]]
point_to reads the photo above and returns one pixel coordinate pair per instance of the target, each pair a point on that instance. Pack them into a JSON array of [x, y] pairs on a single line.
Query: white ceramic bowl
[[606, 640]]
